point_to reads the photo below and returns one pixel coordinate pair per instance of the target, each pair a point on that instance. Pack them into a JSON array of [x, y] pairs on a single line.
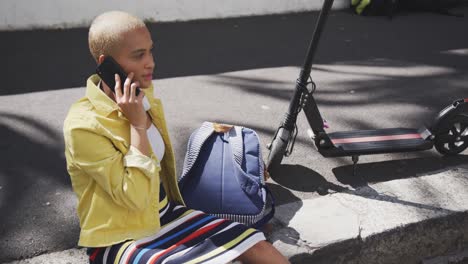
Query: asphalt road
[[370, 73]]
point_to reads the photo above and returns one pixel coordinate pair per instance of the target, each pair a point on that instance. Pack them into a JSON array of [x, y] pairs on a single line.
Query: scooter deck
[[364, 142]]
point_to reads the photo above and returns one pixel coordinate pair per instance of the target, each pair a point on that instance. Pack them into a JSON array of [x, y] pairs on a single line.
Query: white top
[[154, 137], [156, 141]]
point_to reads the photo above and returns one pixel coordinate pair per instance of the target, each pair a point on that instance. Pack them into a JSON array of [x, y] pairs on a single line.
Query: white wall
[[30, 14]]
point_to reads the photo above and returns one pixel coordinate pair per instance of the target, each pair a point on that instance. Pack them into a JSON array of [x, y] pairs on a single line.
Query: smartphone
[[107, 70]]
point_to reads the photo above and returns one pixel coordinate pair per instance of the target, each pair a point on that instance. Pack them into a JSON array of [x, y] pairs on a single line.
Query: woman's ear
[[101, 58]]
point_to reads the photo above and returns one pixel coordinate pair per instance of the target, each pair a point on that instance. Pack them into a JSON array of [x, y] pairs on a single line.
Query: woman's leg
[[262, 252]]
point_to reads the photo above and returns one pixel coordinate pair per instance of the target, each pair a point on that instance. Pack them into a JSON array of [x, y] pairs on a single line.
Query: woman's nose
[[150, 63]]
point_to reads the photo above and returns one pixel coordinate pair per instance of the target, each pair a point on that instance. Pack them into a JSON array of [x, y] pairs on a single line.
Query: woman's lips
[[148, 77]]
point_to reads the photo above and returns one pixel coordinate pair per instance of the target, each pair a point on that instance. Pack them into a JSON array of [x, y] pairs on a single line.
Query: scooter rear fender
[[458, 107]]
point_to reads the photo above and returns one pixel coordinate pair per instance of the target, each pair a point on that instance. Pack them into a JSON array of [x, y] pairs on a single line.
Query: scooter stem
[[306, 69], [301, 84]]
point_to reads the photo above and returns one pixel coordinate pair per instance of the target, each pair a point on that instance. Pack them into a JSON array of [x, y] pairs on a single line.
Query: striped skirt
[[186, 236]]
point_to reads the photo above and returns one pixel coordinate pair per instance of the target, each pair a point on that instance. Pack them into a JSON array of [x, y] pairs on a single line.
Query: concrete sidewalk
[[370, 73], [401, 221]]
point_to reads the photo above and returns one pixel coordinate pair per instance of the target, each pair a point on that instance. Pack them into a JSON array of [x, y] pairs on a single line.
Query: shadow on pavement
[[284, 196], [377, 91], [300, 178], [375, 172], [54, 59], [29, 207], [397, 169]]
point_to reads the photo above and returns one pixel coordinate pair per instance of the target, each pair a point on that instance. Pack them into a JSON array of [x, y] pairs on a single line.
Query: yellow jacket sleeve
[[129, 178]]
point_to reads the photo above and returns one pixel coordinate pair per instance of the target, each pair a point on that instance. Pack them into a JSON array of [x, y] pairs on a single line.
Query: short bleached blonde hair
[[106, 30]]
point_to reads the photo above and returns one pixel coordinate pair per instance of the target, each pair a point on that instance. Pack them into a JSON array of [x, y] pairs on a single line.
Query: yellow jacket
[[117, 186]]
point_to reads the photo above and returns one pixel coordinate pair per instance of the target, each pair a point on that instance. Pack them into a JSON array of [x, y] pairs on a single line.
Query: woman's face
[[135, 55]]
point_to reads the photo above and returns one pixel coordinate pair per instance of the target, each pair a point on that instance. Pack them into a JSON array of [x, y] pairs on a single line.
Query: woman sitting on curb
[[122, 168]]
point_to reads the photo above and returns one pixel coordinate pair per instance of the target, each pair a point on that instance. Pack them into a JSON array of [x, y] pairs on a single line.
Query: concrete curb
[[409, 244], [74, 255], [385, 223]]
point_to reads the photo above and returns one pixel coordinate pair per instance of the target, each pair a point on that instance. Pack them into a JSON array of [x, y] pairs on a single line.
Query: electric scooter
[[448, 133]]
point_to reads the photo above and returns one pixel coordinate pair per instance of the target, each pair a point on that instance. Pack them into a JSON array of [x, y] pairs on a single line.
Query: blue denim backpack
[[223, 174]]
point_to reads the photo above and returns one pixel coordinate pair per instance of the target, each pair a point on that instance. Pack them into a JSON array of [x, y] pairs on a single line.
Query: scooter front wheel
[[278, 149], [454, 138]]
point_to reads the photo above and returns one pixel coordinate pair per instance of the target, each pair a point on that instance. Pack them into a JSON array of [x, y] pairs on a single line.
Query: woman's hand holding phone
[[130, 104]]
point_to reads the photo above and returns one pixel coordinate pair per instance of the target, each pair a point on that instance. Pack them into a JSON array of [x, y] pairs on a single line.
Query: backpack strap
[[194, 145], [237, 144], [249, 184], [270, 214]]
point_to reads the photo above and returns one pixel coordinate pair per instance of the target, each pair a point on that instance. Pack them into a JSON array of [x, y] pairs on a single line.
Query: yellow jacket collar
[[101, 101]]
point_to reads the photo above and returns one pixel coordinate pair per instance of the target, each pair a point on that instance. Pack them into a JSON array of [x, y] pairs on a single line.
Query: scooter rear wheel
[[454, 139], [277, 150]]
